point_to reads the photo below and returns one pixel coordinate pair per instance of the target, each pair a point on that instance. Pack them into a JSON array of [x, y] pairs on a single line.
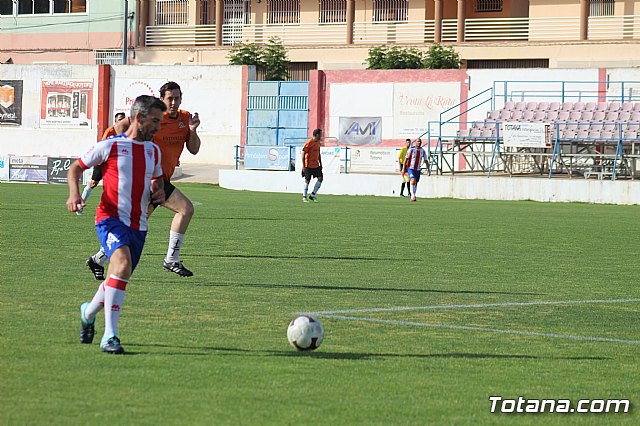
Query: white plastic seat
[[578, 106], [494, 114], [517, 115], [552, 115], [563, 115], [626, 107], [540, 115], [611, 116], [520, 106], [599, 116], [509, 105], [632, 126], [567, 106], [586, 116], [602, 106], [614, 106], [630, 134], [575, 115], [532, 106], [624, 116], [543, 106], [505, 114], [527, 115], [555, 106], [596, 126], [594, 134], [590, 106]]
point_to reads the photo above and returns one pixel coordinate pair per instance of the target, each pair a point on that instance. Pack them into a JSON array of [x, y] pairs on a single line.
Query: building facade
[[323, 34]]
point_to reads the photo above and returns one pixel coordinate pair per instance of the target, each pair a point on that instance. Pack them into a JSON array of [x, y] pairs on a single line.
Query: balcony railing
[[406, 32]]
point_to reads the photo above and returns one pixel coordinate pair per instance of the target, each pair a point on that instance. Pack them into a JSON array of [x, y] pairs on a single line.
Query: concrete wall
[[217, 93], [462, 187]]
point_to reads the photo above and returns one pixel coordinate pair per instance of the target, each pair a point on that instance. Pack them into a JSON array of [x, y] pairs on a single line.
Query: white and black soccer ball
[[305, 333]]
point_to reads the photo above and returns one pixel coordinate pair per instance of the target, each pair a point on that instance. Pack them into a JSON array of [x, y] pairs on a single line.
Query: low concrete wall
[[463, 187]]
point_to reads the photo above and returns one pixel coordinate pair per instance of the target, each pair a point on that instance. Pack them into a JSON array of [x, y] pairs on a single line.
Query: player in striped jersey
[[415, 157], [132, 179]]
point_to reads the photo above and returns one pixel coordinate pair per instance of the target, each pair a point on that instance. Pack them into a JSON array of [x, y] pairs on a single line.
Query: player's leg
[[305, 186], [119, 272], [414, 185], [178, 203], [318, 174]]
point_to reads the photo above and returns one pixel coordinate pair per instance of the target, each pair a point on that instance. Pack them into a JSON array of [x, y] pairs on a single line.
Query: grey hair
[[144, 103]]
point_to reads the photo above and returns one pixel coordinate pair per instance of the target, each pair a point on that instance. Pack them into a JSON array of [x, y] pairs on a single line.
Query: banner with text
[[126, 90], [11, 102], [330, 156], [57, 168], [526, 135], [28, 169], [66, 103], [373, 159], [266, 157], [360, 131]]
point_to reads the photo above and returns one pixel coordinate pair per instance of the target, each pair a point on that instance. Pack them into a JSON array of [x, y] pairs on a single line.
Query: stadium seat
[[517, 115], [590, 106], [540, 116], [567, 106], [602, 106], [568, 134], [563, 115], [611, 115], [575, 115], [494, 114], [599, 116], [543, 106], [532, 106], [552, 115], [474, 133], [463, 133], [630, 134], [595, 126], [487, 133], [626, 107], [554, 106], [520, 106], [635, 116], [633, 126], [594, 134], [504, 114], [582, 134], [586, 116], [614, 106], [608, 127], [636, 107], [584, 126], [509, 105], [624, 116], [606, 135], [527, 115], [578, 106]]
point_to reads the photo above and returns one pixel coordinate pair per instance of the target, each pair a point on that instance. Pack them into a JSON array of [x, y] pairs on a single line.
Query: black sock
[[402, 188]]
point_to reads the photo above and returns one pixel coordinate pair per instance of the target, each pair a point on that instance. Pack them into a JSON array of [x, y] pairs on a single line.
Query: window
[[37, 7], [390, 10], [6, 7], [602, 7], [283, 12], [488, 5], [333, 11], [172, 12]]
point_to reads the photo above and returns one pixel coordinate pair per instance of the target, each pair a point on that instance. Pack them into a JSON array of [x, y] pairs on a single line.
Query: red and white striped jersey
[[128, 167], [415, 157]]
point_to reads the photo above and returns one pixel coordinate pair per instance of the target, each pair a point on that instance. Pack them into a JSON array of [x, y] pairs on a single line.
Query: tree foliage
[[397, 58], [270, 58]]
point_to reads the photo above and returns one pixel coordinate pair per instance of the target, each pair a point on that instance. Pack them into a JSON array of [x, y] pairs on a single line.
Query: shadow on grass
[[356, 356], [329, 287], [310, 257]]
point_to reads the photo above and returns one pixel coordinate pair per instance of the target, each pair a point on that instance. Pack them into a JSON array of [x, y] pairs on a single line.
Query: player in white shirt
[[132, 179], [415, 157]]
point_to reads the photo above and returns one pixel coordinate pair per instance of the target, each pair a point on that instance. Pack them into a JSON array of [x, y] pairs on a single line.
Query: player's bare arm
[[157, 191], [193, 144], [74, 200]]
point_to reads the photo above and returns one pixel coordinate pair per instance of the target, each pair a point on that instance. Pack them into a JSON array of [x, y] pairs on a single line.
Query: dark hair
[[316, 132], [119, 114], [169, 85], [145, 103], [407, 140]]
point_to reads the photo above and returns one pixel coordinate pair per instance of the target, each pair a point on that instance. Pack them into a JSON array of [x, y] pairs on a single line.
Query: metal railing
[[402, 32]]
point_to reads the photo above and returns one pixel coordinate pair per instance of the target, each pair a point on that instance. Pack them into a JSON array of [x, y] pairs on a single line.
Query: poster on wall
[[57, 168], [66, 103], [415, 104], [28, 169], [126, 90], [526, 135], [360, 131], [11, 102]]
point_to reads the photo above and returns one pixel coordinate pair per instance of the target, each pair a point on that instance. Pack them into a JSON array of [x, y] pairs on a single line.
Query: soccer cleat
[[112, 346], [313, 198], [402, 195], [87, 329], [305, 200], [96, 269], [413, 198], [177, 267], [80, 210]]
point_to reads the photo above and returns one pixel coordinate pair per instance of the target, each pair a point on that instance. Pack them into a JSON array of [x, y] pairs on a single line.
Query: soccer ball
[[305, 333]]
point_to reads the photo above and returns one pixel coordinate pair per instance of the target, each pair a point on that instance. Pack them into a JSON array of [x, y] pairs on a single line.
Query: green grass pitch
[[480, 281]]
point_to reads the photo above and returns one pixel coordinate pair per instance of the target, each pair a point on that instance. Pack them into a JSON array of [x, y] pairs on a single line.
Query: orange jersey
[[173, 134], [111, 131], [311, 154]]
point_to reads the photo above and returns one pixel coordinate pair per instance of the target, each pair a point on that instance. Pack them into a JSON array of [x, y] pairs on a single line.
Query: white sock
[[96, 305], [305, 189], [100, 257], [86, 192], [114, 292], [176, 240], [316, 187]]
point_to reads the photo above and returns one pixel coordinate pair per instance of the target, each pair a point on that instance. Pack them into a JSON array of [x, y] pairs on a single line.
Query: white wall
[[462, 187], [215, 92], [30, 139]]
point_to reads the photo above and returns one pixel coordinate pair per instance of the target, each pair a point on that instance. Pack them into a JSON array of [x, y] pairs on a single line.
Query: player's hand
[[75, 204], [158, 196], [194, 121]]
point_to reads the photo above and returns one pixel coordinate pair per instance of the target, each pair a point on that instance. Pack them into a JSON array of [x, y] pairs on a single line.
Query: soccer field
[[429, 309]]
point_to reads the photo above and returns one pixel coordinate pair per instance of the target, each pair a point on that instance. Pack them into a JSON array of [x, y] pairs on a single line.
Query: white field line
[[473, 306], [494, 330]]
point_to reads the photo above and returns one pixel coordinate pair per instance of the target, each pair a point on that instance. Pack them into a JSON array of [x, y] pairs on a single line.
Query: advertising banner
[[415, 104], [266, 157], [526, 135], [330, 155], [4, 168], [126, 90], [66, 103], [11, 102], [381, 160], [28, 169], [57, 168], [360, 131]]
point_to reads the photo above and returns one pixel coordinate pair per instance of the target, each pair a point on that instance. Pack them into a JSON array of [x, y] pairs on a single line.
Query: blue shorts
[[114, 234], [414, 174]]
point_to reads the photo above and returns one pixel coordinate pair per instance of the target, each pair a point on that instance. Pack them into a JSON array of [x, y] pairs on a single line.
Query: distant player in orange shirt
[[177, 130], [312, 165], [96, 175]]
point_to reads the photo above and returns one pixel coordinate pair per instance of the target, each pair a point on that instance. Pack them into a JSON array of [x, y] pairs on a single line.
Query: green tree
[[440, 57], [270, 58], [394, 58]]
